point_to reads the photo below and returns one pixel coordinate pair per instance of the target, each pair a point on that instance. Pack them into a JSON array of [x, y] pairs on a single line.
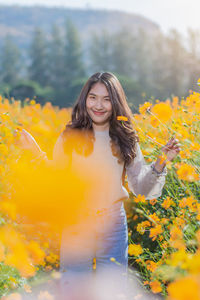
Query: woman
[[111, 145]]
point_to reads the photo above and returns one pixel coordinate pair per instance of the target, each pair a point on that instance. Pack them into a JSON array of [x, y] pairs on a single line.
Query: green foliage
[[31, 89], [10, 62], [38, 69]]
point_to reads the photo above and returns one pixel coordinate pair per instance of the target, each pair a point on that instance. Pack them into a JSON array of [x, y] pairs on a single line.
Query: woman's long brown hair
[[123, 136]]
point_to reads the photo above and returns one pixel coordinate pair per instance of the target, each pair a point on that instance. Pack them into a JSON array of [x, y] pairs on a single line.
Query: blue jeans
[[107, 242]]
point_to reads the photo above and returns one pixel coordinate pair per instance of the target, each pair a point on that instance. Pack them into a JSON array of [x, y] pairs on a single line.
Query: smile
[[99, 113]]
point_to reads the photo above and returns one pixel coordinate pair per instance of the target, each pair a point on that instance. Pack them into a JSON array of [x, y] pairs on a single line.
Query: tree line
[[55, 67]]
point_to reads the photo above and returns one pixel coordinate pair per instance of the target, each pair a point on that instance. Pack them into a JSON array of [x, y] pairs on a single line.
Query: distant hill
[[20, 21]]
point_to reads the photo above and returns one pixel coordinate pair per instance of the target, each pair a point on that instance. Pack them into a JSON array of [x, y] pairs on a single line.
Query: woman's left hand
[[171, 149]]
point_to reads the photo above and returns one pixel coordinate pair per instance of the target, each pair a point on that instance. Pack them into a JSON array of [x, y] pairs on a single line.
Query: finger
[[168, 144], [177, 149], [176, 141], [171, 140], [179, 145], [176, 145]]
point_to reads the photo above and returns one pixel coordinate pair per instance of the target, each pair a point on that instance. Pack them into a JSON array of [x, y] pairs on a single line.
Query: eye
[[107, 99], [92, 97]]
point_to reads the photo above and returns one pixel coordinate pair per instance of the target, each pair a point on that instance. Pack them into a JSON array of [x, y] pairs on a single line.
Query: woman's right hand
[[27, 141]]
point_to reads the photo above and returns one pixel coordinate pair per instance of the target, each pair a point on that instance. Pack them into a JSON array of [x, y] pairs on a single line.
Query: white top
[[106, 172]]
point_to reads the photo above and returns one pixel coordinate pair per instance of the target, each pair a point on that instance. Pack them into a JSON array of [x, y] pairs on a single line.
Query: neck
[[101, 127]]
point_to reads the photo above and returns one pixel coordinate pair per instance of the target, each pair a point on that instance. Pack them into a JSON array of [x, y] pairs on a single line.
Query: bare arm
[[27, 141]]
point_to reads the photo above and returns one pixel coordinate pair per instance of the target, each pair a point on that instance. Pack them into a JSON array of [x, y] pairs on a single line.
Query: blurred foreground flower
[[122, 118]]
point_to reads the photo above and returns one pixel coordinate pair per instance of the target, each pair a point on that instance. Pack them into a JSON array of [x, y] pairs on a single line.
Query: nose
[[99, 104]]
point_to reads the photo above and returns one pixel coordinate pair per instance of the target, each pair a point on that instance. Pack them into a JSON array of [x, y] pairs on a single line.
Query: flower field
[[164, 234]]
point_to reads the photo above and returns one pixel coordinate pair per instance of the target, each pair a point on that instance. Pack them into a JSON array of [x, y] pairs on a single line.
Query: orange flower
[[153, 201], [164, 221], [167, 202], [189, 201], [154, 217], [140, 198], [155, 231], [151, 265], [162, 158], [184, 289], [176, 233], [155, 286]]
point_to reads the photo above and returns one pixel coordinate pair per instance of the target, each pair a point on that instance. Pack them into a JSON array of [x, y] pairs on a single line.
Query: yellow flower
[[141, 226], [36, 253], [9, 209], [143, 108], [163, 111], [187, 172], [2, 252], [52, 258], [178, 258], [154, 121], [112, 259], [122, 118], [134, 249], [32, 102], [3, 149]]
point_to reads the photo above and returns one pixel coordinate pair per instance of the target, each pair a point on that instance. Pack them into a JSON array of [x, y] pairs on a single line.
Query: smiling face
[[99, 107]]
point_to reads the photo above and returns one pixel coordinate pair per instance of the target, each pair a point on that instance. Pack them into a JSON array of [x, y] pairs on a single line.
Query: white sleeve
[[142, 179]]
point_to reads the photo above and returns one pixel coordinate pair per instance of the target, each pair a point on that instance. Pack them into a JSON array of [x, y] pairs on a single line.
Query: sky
[[179, 14]]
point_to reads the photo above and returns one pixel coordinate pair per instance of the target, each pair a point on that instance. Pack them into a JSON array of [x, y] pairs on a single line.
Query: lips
[[99, 113]]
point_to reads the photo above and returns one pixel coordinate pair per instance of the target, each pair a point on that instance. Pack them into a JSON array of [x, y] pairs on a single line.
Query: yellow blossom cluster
[[167, 228], [164, 237]]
